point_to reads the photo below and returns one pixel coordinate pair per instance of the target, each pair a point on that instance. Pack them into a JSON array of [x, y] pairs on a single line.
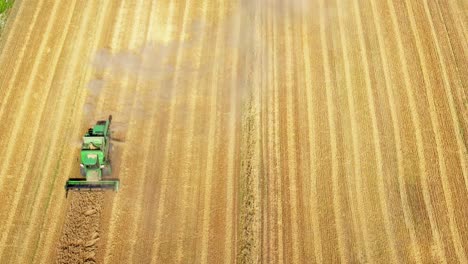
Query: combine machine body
[[95, 162]]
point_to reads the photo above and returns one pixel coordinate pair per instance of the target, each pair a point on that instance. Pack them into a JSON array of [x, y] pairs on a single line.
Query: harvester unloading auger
[[95, 161]]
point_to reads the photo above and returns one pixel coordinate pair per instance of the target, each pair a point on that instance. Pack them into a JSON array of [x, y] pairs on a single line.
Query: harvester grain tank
[[95, 161]]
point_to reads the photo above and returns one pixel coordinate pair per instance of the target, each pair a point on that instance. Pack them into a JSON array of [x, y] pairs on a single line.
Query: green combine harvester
[[95, 161]]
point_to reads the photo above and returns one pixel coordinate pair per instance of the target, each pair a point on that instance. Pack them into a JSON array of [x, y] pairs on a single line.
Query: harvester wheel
[[82, 171], [106, 171]]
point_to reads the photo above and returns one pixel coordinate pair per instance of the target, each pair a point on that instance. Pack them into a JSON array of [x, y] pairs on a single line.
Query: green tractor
[[95, 162]]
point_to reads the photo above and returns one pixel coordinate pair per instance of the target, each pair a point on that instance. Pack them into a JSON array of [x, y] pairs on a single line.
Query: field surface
[[244, 131]]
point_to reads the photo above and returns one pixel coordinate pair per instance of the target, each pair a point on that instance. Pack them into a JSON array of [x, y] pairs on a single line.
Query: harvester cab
[[95, 161]]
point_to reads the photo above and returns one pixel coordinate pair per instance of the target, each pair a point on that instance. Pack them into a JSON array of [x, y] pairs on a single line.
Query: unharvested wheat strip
[[313, 214], [15, 40], [218, 65], [453, 9], [462, 18], [102, 40], [270, 163], [145, 142], [230, 182], [253, 139], [117, 32], [13, 145], [248, 227], [118, 40], [461, 29], [437, 130], [10, 41], [131, 37], [419, 139], [448, 91], [169, 139], [266, 202], [291, 144], [265, 154], [154, 19], [136, 34], [9, 86], [54, 221], [357, 221], [166, 37], [17, 203], [276, 144], [15, 43], [378, 152], [270, 247], [124, 39], [193, 98], [139, 35], [397, 132], [265, 120], [334, 149], [50, 161], [461, 80]]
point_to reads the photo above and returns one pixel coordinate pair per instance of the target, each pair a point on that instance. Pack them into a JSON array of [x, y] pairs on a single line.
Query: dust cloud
[[149, 70]]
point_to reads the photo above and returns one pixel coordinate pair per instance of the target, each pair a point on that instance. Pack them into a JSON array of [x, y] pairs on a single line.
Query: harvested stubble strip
[[78, 243]]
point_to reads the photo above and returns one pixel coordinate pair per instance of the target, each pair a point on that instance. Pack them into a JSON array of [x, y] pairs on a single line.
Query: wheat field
[[262, 131]]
